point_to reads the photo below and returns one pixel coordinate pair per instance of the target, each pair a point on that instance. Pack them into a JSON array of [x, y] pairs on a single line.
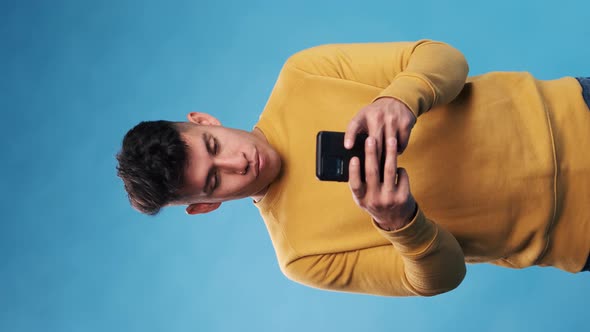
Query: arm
[[420, 74], [424, 260]]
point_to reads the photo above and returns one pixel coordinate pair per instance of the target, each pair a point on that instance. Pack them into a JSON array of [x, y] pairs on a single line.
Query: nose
[[234, 163]]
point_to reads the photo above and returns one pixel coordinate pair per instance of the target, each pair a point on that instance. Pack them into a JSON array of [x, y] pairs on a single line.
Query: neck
[[258, 133], [260, 195]]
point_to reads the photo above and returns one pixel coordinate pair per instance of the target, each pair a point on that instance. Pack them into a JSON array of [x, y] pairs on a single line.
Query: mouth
[[259, 163], [256, 165]]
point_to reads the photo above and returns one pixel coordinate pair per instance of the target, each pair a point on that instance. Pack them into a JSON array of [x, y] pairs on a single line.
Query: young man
[[498, 167]]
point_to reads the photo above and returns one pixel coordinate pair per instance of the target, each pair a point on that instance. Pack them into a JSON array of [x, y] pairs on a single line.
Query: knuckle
[[372, 206], [371, 172], [401, 198], [357, 191], [408, 124], [390, 118], [404, 122], [389, 199], [389, 168], [386, 202], [376, 116], [360, 203]]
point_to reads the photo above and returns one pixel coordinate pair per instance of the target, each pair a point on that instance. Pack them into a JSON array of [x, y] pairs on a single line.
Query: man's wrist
[[394, 226], [393, 100], [389, 227], [386, 99]]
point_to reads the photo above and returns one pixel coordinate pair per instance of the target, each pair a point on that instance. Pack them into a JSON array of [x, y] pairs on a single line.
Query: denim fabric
[[585, 83]]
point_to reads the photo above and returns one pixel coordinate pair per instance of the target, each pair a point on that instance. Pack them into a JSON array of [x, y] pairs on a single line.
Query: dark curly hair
[[152, 162]]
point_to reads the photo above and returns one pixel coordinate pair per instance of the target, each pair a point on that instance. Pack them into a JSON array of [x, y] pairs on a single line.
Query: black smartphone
[[332, 158]]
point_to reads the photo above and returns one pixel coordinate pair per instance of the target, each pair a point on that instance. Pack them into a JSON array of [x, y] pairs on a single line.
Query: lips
[[255, 163], [259, 163]]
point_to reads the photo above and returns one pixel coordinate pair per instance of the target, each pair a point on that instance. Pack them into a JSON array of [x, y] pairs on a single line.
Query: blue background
[[76, 75]]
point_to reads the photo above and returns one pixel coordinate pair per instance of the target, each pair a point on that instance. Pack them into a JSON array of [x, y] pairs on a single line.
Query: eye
[[212, 181], [216, 184], [213, 146]]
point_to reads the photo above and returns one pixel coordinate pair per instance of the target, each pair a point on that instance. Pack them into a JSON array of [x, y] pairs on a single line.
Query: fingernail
[[370, 141], [348, 143], [354, 162]]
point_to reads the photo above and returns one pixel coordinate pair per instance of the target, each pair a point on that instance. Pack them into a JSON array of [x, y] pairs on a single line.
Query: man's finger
[[376, 130], [354, 178], [391, 132], [390, 170], [403, 180], [372, 177], [354, 126], [403, 139]]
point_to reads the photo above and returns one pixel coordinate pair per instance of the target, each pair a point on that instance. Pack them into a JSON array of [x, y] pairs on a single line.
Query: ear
[[199, 208], [203, 119]]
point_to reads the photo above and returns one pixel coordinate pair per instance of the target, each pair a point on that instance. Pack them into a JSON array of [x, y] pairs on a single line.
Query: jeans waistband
[[585, 83]]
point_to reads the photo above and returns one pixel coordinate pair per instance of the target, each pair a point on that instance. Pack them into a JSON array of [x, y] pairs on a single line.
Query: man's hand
[[390, 202], [387, 116]]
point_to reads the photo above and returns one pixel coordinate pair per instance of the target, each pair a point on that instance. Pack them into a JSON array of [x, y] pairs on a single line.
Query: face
[[225, 163]]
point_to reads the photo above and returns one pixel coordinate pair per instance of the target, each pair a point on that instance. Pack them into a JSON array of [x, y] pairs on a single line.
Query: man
[[498, 167]]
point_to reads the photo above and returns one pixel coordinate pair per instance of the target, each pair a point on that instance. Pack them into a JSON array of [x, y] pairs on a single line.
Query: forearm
[[433, 260], [434, 74], [421, 74]]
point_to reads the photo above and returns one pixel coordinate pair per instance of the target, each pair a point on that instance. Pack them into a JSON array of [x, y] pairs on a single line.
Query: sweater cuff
[[415, 238], [413, 90]]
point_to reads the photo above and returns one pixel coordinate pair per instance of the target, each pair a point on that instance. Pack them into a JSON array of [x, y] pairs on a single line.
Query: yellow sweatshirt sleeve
[[424, 260], [420, 74]]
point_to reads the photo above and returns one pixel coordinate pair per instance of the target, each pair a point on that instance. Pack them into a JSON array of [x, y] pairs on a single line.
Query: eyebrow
[[207, 187]]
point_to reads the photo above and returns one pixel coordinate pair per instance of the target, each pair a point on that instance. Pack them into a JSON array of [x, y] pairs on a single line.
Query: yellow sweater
[[497, 163]]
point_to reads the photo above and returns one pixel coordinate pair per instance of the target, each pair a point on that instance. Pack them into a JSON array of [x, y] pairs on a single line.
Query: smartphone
[[332, 158]]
